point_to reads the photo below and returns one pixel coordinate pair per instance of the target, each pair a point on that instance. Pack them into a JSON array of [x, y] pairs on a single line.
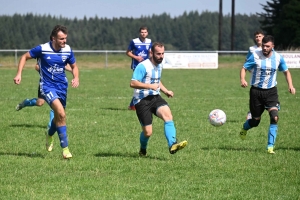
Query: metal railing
[[106, 52]]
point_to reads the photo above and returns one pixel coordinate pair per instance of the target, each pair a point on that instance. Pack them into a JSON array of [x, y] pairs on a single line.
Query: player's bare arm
[[131, 55], [139, 85], [167, 92], [289, 81], [75, 72], [242, 77], [21, 65]]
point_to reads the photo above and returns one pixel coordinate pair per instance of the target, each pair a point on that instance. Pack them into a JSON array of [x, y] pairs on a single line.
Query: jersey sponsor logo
[[143, 54], [155, 80], [55, 70]]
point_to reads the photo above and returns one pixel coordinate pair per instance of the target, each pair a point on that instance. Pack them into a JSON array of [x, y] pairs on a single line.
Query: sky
[[124, 8]]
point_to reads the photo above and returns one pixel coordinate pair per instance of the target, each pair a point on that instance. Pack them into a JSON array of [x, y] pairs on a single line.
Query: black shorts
[[39, 93], [148, 106], [261, 99]]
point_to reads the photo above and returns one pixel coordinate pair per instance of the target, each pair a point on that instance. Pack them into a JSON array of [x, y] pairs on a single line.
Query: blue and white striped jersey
[[52, 64], [146, 72], [264, 70], [139, 48], [252, 49]]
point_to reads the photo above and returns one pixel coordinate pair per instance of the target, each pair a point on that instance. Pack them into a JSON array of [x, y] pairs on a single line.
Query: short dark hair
[[268, 38], [258, 32], [58, 28], [143, 28], [156, 44]]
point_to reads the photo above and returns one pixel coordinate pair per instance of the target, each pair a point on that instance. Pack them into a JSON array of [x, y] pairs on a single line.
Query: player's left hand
[[292, 90], [75, 82], [17, 79], [169, 93]]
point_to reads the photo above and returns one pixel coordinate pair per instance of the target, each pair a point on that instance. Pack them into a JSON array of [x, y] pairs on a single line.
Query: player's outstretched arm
[[23, 59]]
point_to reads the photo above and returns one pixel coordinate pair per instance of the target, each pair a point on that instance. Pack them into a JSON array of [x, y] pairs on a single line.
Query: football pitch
[[104, 141]]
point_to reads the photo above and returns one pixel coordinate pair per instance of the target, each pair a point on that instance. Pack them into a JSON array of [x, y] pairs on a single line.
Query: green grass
[[104, 141]]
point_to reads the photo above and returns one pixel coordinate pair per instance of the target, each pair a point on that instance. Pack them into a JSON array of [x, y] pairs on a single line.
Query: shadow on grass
[[288, 148], [233, 121], [31, 155], [229, 148], [114, 109], [248, 149], [132, 155], [28, 125]]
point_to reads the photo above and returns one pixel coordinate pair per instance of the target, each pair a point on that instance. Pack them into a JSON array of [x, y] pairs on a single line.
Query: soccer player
[[258, 36], [138, 50], [38, 101], [52, 57], [146, 81], [263, 65]]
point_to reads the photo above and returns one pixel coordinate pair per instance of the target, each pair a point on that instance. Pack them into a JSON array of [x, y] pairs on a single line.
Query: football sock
[[170, 132], [63, 137], [30, 102], [51, 118], [272, 134], [131, 102], [52, 128], [246, 125], [143, 140]]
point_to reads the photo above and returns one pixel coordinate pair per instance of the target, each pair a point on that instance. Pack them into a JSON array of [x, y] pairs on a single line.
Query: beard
[[266, 53], [157, 60]]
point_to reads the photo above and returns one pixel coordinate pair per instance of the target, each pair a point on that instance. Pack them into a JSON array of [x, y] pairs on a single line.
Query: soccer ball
[[217, 117]]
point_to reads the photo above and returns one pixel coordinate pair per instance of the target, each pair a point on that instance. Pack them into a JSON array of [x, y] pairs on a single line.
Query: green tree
[[281, 19]]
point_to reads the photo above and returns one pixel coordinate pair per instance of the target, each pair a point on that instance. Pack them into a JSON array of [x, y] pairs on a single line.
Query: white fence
[[292, 58]]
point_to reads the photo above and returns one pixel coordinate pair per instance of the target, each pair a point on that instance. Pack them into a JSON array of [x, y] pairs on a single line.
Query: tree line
[[191, 31]]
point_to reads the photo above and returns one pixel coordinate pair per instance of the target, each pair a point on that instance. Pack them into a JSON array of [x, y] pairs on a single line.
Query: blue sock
[[272, 134], [131, 102], [143, 140], [52, 128], [170, 132], [30, 102], [63, 137], [246, 125], [51, 118]]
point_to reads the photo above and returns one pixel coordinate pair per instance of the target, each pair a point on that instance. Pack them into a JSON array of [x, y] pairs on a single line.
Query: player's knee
[[147, 130], [273, 116], [40, 102], [61, 116], [254, 122], [147, 133]]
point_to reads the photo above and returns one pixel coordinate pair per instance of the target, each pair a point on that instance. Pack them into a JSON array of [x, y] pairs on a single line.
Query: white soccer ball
[[217, 117]]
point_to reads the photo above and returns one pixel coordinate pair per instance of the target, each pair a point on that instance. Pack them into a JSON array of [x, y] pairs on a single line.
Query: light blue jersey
[[264, 70], [146, 72], [139, 48]]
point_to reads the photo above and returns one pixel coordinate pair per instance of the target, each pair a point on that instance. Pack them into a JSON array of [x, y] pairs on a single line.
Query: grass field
[[104, 141]]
